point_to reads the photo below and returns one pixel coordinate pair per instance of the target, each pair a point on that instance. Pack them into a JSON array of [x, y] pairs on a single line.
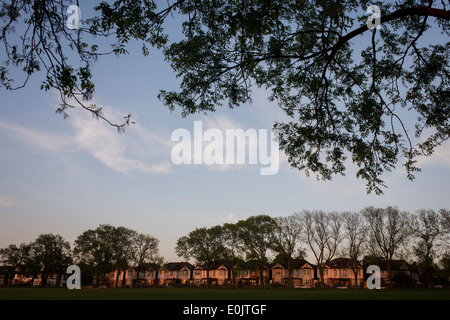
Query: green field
[[219, 294]]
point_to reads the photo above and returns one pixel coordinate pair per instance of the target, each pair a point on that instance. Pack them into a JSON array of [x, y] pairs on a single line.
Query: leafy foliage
[[345, 100], [341, 106], [105, 247]]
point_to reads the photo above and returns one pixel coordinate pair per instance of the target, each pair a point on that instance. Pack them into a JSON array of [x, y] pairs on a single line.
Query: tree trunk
[[322, 280], [138, 282], [43, 279], [388, 263], [233, 278], [355, 273], [9, 280], [117, 278], [97, 277], [124, 277], [289, 273], [261, 278]]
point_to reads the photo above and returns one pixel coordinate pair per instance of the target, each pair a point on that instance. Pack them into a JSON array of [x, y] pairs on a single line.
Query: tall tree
[[255, 234], [122, 249], [355, 231], [231, 253], [52, 253], [202, 244], [445, 221], [145, 250], [286, 240], [445, 267], [105, 248], [343, 92], [323, 234], [428, 231], [17, 257], [389, 230]]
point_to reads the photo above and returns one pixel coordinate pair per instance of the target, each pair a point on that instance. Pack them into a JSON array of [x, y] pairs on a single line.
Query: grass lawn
[[219, 294]]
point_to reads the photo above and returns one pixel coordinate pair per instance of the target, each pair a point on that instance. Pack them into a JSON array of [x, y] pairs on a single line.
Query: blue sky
[[66, 176]]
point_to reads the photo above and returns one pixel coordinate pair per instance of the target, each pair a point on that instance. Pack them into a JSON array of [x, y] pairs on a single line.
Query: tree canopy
[[343, 92], [105, 247]]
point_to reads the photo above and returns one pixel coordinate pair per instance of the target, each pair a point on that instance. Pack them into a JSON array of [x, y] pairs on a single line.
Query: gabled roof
[[214, 266], [297, 264], [177, 266], [279, 266], [339, 263], [147, 267], [253, 265], [398, 265], [307, 265]]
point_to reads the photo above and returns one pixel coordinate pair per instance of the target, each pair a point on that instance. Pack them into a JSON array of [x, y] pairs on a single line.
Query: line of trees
[[96, 251], [386, 233]]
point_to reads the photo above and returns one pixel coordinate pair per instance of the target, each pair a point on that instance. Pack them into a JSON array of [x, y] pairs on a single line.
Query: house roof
[[279, 266], [297, 264], [147, 267], [308, 265], [395, 264], [253, 265], [176, 266], [339, 263], [214, 265]]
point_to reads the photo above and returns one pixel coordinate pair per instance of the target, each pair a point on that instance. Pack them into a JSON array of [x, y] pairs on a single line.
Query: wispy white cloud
[[5, 202], [36, 138], [230, 218], [441, 156], [138, 150]]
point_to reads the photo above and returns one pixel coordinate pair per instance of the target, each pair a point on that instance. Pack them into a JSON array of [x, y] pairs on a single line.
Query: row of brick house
[[337, 272], [10, 276]]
